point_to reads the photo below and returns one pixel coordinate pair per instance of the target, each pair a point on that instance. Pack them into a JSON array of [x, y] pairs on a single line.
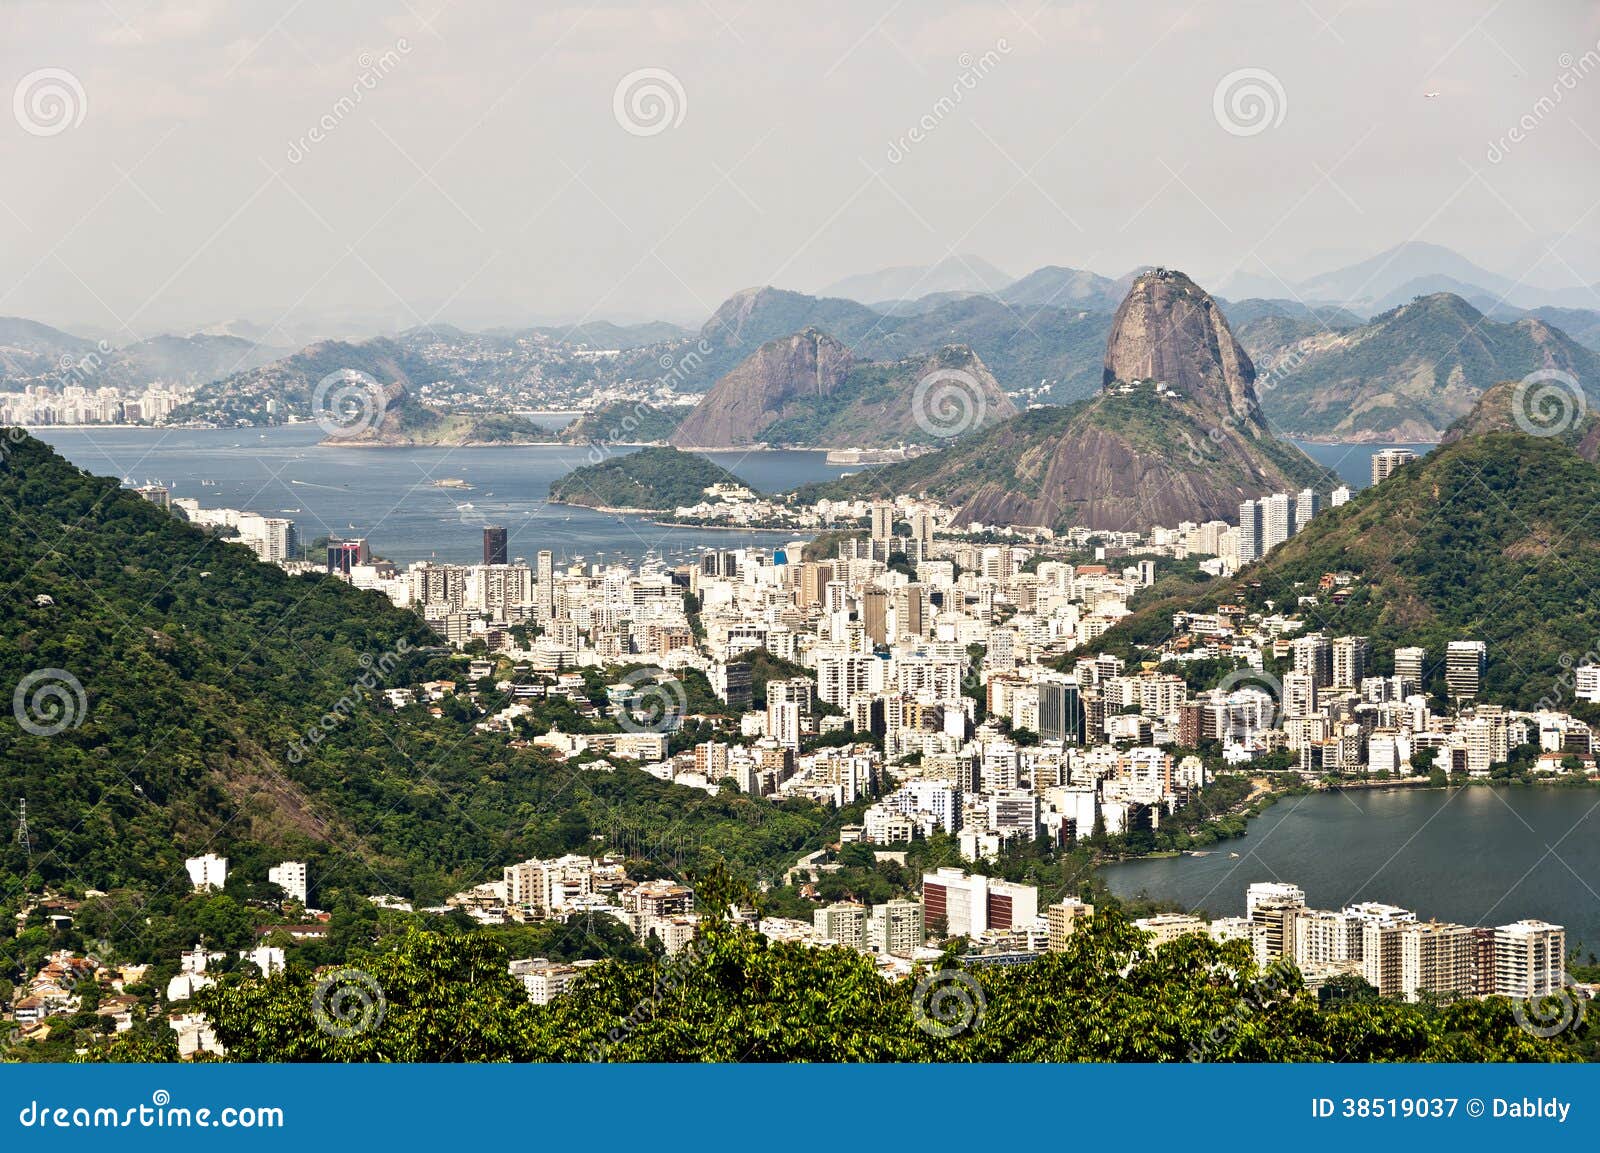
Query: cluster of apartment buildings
[[80, 404], [1390, 948]]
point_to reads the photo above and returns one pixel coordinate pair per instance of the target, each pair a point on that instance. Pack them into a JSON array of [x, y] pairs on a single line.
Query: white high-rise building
[[290, 876], [1272, 893], [1307, 505], [207, 872], [1529, 959], [1248, 547], [1277, 520], [1338, 496]]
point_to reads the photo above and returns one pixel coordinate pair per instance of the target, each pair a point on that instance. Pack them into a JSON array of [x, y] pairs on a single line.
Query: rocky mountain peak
[[1169, 329]]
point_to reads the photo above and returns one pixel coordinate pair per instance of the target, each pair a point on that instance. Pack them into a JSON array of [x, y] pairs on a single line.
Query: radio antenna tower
[[22, 828]]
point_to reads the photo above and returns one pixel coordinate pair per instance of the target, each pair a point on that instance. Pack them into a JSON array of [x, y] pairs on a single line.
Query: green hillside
[[1495, 538], [654, 479], [201, 668]]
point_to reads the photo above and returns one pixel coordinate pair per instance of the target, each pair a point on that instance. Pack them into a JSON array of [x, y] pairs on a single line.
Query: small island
[[650, 480]]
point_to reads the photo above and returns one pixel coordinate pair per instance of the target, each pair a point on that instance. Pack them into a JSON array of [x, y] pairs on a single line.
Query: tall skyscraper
[[1277, 520], [1463, 668], [494, 544], [1349, 661], [1060, 712], [1249, 531], [344, 553], [547, 584], [1313, 657], [1408, 664], [882, 521], [1307, 505], [1386, 461]]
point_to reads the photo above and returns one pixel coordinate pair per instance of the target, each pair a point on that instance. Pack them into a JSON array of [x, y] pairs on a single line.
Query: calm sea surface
[[1476, 856], [389, 496], [1353, 462]]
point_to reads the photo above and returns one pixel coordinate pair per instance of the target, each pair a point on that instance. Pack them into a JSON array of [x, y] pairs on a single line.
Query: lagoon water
[[389, 496], [1475, 855], [1353, 462]]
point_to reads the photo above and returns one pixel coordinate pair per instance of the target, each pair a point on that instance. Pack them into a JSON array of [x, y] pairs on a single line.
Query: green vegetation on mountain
[[1407, 374], [408, 422], [624, 423], [193, 674], [1491, 538], [652, 479]]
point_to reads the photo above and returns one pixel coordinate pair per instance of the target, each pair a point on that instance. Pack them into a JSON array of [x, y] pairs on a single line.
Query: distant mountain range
[[1405, 271], [1405, 375], [35, 354], [1345, 353], [955, 274]]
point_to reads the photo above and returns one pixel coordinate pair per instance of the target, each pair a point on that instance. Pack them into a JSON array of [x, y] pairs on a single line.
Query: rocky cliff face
[[1175, 434], [1169, 330], [806, 366], [1549, 405]]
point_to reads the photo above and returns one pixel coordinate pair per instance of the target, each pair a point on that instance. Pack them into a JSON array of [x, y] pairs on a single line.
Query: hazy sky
[[489, 173]]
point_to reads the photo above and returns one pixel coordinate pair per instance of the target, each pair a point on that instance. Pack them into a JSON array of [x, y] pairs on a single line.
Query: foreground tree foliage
[[735, 996]]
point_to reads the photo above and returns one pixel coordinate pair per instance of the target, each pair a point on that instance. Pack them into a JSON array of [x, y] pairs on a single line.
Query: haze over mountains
[[1346, 354]]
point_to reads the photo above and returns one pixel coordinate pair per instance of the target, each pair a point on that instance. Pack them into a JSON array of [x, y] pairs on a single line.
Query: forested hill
[[1491, 538], [200, 667]]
